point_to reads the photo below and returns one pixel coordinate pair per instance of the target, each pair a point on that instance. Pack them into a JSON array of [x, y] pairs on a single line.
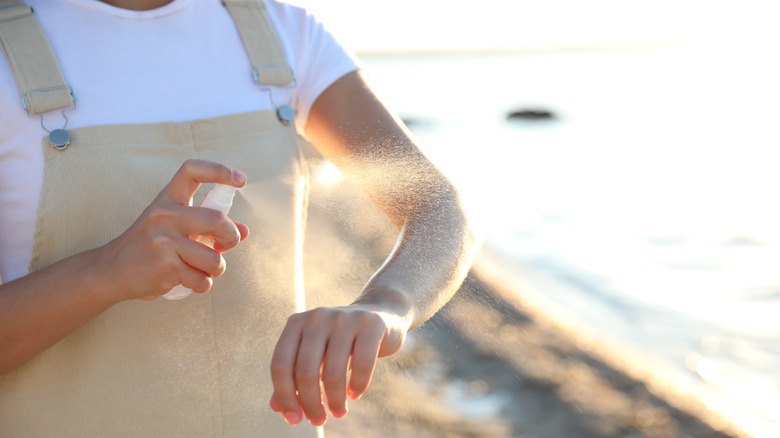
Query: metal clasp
[[284, 112], [59, 138]]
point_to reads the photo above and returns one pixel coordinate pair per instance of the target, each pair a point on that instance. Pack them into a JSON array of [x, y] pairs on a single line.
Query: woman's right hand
[[148, 259], [156, 253]]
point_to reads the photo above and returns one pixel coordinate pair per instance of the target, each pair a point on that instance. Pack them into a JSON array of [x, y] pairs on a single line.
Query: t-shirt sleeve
[[317, 58]]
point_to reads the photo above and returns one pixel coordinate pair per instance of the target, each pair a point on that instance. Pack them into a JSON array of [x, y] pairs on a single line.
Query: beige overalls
[[191, 368]]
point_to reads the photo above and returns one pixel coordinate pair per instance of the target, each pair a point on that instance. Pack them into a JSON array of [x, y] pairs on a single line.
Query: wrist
[[98, 283], [389, 301]]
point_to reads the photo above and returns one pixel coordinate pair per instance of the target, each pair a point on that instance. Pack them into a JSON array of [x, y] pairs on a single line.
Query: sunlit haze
[[644, 207], [436, 25]]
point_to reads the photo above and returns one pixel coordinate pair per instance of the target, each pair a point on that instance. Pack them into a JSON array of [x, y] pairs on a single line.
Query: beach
[[487, 365], [624, 165], [637, 210]]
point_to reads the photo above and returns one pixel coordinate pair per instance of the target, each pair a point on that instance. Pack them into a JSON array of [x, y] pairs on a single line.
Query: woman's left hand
[[320, 348]]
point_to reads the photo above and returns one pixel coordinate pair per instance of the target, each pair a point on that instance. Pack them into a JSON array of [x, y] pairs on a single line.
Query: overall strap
[[32, 60], [269, 65]]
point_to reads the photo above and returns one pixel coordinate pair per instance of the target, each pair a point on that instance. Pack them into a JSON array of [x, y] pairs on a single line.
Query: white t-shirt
[[183, 61]]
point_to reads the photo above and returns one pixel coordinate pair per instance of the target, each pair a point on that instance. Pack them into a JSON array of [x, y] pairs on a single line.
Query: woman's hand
[[153, 255], [156, 252], [321, 347]]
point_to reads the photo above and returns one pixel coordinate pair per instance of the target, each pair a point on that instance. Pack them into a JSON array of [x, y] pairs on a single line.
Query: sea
[[641, 181]]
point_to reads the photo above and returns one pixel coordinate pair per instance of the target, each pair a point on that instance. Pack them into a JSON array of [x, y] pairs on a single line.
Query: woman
[[205, 93]]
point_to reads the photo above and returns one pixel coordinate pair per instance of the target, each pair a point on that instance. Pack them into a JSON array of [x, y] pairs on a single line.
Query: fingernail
[[292, 417], [341, 414], [239, 176], [318, 421]]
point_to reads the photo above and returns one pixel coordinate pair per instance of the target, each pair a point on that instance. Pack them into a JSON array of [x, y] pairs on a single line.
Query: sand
[[484, 366]]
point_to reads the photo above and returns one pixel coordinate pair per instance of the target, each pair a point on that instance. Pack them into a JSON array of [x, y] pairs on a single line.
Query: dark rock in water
[[413, 122], [409, 122], [531, 114]]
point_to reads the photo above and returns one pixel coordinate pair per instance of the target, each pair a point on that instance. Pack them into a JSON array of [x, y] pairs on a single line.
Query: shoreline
[[678, 395], [676, 386]]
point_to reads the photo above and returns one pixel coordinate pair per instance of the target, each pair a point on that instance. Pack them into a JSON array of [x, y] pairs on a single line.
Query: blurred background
[[623, 156]]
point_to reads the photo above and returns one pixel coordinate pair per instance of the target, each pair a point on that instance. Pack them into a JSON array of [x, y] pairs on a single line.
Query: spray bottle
[[220, 198]]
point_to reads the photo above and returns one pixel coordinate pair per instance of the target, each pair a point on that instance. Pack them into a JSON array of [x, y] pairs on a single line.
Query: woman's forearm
[[437, 240], [433, 253], [40, 309]]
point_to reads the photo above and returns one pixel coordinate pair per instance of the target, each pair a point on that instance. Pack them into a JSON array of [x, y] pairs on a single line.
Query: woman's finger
[[309, 365], [193, 173], [364, 356], [334, 372], [243, 230], [195, 280], [197, 221], [201, 221], [285, 397], [200, 257]]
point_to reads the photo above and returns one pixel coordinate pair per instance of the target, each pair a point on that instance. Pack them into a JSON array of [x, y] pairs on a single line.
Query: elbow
[[467, 220], [464, 217], [453, 220], [463, 226]]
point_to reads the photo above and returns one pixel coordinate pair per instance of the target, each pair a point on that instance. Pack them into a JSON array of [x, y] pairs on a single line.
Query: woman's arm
[[147, 260], [435, 248]]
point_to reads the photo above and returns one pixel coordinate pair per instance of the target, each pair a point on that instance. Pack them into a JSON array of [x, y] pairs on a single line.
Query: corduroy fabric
[[198, 367], [35, 68], [262, 45]]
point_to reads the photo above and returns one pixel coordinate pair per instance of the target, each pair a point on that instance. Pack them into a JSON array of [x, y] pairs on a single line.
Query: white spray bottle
[[220, 198]]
